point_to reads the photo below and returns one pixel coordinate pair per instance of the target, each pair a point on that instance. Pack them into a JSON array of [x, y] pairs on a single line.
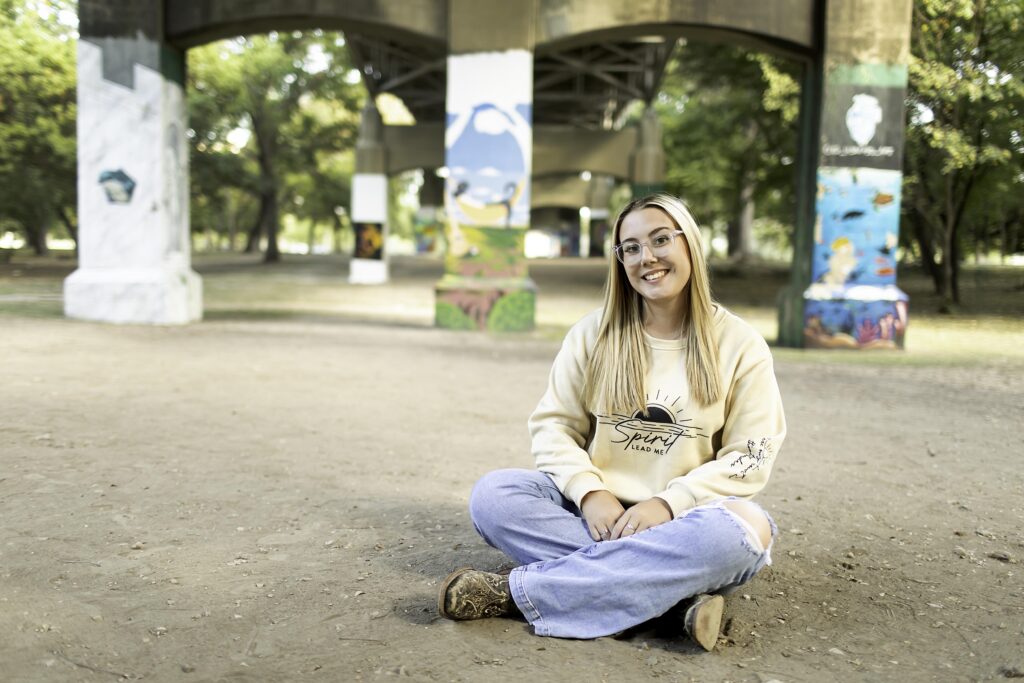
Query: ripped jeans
[[569, 586]]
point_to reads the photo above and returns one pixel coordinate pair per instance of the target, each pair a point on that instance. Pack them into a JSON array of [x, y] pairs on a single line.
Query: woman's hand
[[643, 515], [601, 510]]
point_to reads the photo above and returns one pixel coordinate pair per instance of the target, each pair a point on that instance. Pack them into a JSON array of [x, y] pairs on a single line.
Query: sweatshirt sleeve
[[560, 426], [751, 437]]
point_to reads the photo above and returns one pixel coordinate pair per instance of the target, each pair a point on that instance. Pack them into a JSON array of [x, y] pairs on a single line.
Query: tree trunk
[[270, 226], [336, 236], [955, 270], [231, 219], [37, 237], [265, 142], [948, 252], [252, 243], [69, 225], [741, 228], [311, 237]]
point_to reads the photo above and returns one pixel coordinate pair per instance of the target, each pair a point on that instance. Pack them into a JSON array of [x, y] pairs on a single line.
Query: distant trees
[[964, 161], [730, 123], [37, 121], [271, 119]]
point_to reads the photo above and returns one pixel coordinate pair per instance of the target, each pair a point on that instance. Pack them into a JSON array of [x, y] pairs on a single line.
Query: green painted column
[[488, 150], [844, 292], [649, 158]]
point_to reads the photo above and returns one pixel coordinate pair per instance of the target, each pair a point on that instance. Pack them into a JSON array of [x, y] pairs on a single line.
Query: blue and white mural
[[489, 139]]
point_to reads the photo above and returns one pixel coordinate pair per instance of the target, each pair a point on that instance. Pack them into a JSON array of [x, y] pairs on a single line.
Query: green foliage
[[730, 121], [291, 94], [37, 120], [964, 171]]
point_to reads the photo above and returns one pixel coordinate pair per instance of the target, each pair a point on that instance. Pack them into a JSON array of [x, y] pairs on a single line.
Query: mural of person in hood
[[488, 162]]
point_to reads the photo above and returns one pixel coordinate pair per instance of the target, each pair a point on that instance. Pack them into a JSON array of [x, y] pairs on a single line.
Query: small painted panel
[[369, 240], [494, 310], [118, 186], [854, 324], [857, 227], [489, 138], [862, 126], [426, 230], [485, 252]]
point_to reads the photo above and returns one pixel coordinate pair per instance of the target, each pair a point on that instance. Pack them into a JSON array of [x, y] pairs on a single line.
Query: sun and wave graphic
[[657, 429]]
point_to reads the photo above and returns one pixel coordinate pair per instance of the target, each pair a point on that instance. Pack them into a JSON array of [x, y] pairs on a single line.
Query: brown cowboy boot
[[471, 594], [704, 619]]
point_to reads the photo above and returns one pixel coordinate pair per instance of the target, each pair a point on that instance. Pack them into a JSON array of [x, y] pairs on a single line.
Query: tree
[[37, 119], [965, 99], [269, 85], [729, 121]]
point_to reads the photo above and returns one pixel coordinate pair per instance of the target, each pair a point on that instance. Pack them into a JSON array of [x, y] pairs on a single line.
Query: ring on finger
[[630, 526]]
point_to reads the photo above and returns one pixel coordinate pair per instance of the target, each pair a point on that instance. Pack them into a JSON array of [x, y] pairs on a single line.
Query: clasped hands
[[607, 520]]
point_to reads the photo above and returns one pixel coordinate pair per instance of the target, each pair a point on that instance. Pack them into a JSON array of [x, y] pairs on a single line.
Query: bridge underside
[[518, 106]]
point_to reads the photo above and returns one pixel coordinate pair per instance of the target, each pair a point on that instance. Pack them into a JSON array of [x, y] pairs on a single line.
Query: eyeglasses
[[631, 251]]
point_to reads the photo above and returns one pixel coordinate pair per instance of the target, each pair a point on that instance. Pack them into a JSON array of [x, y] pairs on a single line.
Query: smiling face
[[659, 279]]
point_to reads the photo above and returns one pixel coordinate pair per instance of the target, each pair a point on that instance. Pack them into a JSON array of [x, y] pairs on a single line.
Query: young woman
[[661, 419]]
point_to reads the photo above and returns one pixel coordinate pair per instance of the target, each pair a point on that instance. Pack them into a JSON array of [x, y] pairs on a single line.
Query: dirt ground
[[276, 497]]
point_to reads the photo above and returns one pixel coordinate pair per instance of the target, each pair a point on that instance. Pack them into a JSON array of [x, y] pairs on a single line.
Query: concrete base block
[[158, 296], [491, 304], [367, 271]]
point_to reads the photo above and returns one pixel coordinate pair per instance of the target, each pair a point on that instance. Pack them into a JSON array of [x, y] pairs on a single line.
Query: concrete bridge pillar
[[369, 265], [649, 158], [428, 216], [599, 199], [488, 150], [134, 262], [844, 293]]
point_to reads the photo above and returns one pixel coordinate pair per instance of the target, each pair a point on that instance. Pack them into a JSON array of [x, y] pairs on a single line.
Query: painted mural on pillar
[[864, 126], [426, 229], [118, 186], [852, 324], [857, 227], [369, 240], [853, 301], [494, 310], [486, 252], [488, 139]]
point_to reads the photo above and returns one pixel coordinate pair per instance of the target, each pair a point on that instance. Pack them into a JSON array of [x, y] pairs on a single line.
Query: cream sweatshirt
[[680, 451]]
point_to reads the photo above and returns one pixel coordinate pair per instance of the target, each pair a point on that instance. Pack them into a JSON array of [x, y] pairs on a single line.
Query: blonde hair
[[616, 373]]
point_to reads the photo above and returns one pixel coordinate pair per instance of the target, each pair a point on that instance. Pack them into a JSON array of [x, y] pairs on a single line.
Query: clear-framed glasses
[[631, 251]]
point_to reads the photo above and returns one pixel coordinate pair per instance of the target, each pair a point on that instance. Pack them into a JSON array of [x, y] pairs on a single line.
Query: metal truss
[[588, 86]]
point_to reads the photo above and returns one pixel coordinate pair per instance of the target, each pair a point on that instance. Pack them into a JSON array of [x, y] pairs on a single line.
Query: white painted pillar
[[134, 262], [369, 265]]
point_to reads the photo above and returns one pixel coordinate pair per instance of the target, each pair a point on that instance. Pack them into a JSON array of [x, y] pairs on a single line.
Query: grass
[[988, 328]]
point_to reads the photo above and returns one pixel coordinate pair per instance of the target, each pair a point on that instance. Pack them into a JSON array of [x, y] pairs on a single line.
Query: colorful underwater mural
[[857, 227], [853, 324], [852, 300]]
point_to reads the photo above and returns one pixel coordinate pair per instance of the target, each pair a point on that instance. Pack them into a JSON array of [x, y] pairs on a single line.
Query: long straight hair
[[617, 370]]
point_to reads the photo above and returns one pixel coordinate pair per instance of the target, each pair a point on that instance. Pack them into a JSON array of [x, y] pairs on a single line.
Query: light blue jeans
[[568, 586]]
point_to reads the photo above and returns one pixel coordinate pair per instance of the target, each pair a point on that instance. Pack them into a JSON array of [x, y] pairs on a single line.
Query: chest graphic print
[[654, 431]]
